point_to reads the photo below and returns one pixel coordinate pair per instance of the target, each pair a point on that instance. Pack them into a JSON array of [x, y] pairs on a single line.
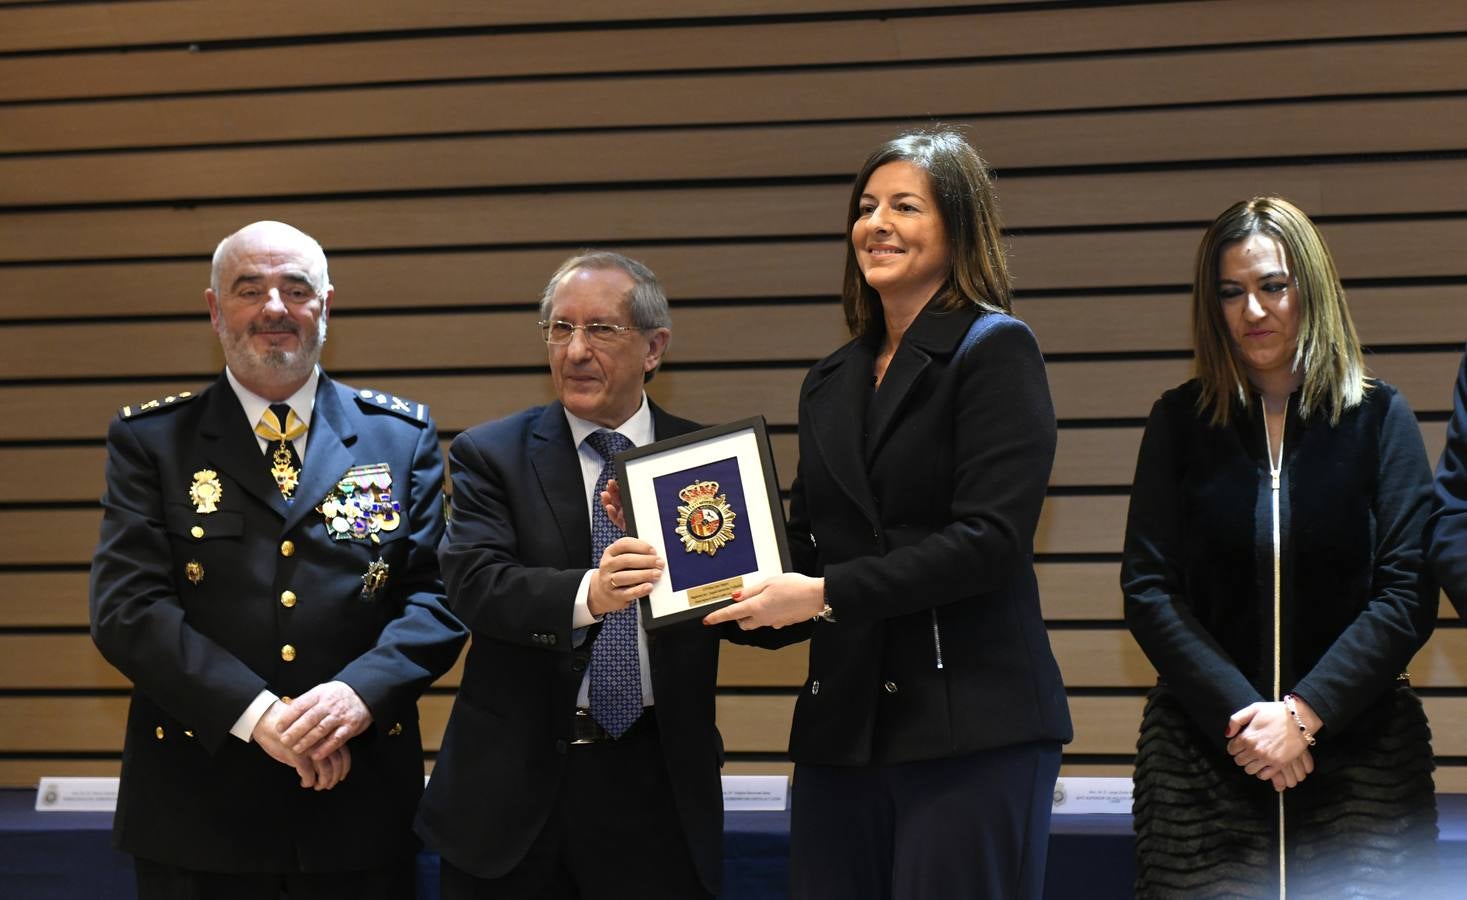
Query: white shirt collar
[[302, 402], [638, 429]]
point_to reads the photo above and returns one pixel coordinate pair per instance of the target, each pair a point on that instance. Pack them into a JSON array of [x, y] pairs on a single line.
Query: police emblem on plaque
[[705, 523]]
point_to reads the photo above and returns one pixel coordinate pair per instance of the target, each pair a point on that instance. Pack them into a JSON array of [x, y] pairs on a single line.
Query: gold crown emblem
[[702, 492]]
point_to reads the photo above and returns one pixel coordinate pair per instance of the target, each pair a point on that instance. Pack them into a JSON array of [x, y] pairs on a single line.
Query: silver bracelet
[[1298, 720]]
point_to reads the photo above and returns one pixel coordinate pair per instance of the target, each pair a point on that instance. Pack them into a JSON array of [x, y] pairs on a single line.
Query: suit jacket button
[[578, 665], [890, 687], [550, 640], [814, 687], [287, 548], [287, 653], [158, 732]]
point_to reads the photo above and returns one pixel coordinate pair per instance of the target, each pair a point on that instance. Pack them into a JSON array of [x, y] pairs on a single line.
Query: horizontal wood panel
[[1085, 457], [26, 773], [1324, 70], [793, 332], [181, 21], [1113, 198], [1404, 314], [1089, 657], [1069, 524], [798, 332], [667, 156], [37, 599], [173, 69], [457, 402], [750, 724], [1127, 388], [391, 281], [1087, 260]]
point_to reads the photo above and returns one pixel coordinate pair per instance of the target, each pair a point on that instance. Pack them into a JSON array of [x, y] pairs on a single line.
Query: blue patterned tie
[[616, 674]]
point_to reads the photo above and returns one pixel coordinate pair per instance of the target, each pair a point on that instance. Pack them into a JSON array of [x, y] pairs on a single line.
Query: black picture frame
[[749, 527]]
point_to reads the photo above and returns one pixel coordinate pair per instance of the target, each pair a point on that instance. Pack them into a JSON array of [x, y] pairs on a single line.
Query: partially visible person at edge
[[272, 536], [1275, 576], [1447, 542], [927, 736]]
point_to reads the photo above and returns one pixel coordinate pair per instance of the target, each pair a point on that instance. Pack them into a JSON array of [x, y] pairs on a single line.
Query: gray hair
[[323, 279], [647, 301]]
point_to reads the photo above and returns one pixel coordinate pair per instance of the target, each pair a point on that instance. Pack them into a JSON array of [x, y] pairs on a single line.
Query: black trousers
[[614, 833], [975, 827], [158, 881]]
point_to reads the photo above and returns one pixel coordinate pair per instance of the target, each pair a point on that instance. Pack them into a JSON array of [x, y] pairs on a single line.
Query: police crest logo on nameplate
[[361, 506], [706, 522], [206, 491]]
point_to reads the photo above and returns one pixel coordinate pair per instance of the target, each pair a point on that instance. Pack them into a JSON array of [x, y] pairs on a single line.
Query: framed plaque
[[709, 502]]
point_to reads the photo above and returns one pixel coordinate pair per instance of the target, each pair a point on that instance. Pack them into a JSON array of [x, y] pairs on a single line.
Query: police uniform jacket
[[517, 547], [203, 610], [918, 504]]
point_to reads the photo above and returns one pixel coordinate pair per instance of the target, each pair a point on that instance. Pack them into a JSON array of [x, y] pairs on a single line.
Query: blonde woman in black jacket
[[1274, 574]]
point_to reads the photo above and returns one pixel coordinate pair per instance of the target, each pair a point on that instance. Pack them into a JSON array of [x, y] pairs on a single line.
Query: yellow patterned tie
[[285, 468]]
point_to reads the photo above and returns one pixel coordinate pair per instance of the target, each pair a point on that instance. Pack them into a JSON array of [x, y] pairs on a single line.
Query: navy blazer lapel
[[230, 445], [558, 467], [327, 456], [836, 402], [932, 333]]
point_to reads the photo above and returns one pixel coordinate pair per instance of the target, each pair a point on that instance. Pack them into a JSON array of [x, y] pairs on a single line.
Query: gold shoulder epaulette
[[137, 409]]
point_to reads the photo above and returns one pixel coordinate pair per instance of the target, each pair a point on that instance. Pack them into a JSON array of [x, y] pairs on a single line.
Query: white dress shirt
[[639, 430], [302, 403]]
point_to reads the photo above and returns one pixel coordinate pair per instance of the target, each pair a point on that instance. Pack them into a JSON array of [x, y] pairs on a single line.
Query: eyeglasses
[[598, 334]]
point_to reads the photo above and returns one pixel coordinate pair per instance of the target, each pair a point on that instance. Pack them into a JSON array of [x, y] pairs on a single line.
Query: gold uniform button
[[285, 699], [287, 599], [287, 548], [188, 734], [287, 653], [395, 730], [158, 732], [197, 531]]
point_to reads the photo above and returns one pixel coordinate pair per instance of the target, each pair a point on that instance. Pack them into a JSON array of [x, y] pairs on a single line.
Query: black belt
[[586, 730]]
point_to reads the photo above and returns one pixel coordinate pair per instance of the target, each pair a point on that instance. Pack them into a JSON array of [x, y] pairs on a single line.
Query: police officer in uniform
[[266, 577]]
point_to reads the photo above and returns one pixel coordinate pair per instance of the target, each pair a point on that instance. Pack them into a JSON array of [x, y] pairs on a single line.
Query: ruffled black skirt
[[1362, 825]]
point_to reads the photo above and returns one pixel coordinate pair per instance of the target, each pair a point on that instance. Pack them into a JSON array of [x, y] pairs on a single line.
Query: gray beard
[[274, 366]]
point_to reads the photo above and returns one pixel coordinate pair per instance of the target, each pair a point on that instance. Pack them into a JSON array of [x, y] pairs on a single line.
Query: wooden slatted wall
[[449, 154]]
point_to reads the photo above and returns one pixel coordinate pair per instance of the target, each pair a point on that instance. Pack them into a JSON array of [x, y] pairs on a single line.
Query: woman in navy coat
[[927, 735]]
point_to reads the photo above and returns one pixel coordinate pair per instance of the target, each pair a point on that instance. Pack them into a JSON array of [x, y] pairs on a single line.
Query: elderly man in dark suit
[[581, 757], [272, 537]]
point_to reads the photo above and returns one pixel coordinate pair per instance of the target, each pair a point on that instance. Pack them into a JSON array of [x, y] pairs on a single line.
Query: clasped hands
[[310, 733], [1265, 741], [630, 567]]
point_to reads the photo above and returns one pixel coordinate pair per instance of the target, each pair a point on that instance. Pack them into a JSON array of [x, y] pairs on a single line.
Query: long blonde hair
[[1328, 350]]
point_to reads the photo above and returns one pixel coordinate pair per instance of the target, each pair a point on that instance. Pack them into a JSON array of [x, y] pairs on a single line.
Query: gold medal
[[374, 580], [286, 475], [206, 491], [194, 571], [361, 504], [705, 524]]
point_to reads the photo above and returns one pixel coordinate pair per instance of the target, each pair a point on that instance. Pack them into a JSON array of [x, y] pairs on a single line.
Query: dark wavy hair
[[963, 187]]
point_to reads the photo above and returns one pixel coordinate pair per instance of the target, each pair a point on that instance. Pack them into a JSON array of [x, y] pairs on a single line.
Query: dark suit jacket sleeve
[[1004, 437], [137, 617], [1194, 666], [423, 640], [1448, 529], [491, 590], [1401, 613]]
